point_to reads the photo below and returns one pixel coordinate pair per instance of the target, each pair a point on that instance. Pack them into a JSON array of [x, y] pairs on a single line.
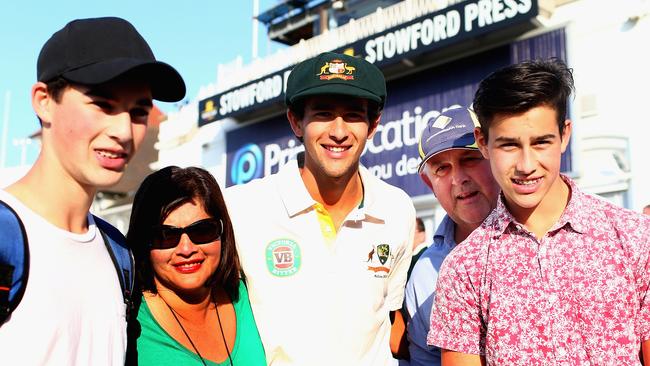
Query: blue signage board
[[259, 150]]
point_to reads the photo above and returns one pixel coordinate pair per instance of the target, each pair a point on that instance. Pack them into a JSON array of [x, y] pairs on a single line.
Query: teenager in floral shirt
[[553, 276]]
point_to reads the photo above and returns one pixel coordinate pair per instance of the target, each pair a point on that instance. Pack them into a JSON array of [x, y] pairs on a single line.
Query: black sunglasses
[[200, 232]]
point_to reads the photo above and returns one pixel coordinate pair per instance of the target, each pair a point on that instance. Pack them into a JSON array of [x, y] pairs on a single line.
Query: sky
[[194, 36]]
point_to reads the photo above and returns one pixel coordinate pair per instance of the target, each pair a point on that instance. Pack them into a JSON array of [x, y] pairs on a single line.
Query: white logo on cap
[[441, 122]]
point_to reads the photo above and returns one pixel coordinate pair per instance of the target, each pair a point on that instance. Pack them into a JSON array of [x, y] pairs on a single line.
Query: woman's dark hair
[[518, 88], [161, 193]]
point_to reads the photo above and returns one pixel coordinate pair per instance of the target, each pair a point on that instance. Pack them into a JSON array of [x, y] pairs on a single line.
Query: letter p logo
[[246, 164]]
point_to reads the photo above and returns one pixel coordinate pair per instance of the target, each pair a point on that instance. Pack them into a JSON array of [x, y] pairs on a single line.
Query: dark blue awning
[[281, 10]]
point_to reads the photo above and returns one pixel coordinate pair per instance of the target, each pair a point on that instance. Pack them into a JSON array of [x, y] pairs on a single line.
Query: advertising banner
[[259, 150], [451, 25]]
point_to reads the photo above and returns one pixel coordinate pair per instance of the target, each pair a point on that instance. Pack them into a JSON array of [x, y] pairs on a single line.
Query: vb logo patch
[[283, 257], [336, 69], [380, 258]]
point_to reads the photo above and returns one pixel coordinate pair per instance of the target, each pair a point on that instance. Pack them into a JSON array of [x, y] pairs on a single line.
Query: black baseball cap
[[96, 50], [337, 74]]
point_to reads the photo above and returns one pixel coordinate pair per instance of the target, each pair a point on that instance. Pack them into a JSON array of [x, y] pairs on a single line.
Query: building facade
[[434, 54]]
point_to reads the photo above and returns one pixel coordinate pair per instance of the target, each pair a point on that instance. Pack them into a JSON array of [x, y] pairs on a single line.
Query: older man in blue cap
[[460, 178]]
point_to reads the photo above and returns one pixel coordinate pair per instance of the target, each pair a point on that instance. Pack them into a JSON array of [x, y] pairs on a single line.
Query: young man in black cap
[[96, 81], [327, 259]]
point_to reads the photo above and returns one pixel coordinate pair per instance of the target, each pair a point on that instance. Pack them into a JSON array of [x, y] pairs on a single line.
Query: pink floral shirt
[[578, 296]]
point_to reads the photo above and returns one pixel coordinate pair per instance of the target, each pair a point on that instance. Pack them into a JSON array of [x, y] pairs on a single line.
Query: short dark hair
[[56, 87], [518, 88], [161, 193]]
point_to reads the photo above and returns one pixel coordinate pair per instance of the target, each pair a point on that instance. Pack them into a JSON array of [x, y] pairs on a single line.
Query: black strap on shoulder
[[122, 259], [14, 261]]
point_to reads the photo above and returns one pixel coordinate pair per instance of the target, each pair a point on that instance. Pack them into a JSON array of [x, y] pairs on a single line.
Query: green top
[[157, 347]]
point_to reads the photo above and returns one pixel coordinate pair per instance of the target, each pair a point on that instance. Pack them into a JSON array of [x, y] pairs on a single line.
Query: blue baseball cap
[[452, 129]]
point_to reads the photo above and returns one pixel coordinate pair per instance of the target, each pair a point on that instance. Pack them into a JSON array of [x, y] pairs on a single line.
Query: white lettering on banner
[[486, 12], [383, 171], [398, 134], [443, 26], [406, 166], [233, 74], [285, 77], [275, 156], [440, 27], [252, 94], [402, 132]]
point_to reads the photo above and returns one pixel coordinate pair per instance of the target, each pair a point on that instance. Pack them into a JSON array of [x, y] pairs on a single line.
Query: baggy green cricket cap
[[336, 74]]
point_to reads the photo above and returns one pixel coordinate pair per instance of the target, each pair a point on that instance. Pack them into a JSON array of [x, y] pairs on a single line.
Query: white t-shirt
[[320, 302], [72, 312]]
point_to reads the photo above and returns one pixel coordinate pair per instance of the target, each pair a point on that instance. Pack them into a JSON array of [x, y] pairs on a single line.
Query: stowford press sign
[[254, 94], [427, 33], [450, 25]]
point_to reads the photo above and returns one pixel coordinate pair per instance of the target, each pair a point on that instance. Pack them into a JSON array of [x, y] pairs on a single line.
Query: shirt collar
[[297, 199], [444, 235], [500, 218], [292, 190], [575, 214], [372, 205]]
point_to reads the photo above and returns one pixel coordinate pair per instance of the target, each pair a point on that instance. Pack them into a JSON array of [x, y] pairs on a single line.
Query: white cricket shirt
[[321, 297]]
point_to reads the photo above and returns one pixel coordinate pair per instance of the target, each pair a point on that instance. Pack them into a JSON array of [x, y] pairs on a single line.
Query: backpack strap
[[14, 261], [122, 259]]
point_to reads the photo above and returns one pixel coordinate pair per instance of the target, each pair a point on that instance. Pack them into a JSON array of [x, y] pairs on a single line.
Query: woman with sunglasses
[[195, 307]]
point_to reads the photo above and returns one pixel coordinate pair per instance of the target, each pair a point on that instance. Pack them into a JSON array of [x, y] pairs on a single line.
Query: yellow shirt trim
[[327, 228]]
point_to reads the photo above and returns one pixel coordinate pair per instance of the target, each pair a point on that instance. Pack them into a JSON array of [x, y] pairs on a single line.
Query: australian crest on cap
[[336, 69]]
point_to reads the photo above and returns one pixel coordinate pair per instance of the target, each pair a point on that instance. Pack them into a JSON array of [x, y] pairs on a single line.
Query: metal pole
[[5, 130], [23, 150], [256, 11]]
